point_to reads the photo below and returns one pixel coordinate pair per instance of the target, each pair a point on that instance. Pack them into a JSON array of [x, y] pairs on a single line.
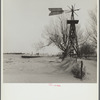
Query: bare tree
[[93, 28], [57, 33], [38, 46]]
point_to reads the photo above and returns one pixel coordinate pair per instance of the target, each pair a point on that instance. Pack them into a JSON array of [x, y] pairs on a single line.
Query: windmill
[[72, 42]]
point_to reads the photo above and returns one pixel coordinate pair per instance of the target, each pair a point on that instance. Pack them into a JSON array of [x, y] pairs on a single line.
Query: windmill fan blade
[[69, 7], [76, 9], [74, 6], [75, 13]]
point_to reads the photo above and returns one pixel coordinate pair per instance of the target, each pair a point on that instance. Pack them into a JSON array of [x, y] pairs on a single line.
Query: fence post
[[81, 68]]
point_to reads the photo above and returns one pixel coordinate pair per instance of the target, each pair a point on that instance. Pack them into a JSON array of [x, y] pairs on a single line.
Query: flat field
[[43, 70]]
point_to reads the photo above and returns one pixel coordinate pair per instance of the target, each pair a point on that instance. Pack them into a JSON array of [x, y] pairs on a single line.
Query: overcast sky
[[24, 21]]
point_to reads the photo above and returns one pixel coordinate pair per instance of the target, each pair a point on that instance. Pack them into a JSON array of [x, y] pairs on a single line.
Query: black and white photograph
[[50, 41]]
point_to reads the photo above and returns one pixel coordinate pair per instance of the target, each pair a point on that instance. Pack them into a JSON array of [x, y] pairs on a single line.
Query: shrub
[[87, 50], [76, 71]]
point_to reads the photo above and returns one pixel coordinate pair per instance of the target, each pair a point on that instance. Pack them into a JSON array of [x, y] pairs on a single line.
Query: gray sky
[[24, 21]]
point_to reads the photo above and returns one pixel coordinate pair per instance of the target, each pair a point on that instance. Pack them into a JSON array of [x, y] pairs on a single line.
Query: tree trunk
[[64, 54]]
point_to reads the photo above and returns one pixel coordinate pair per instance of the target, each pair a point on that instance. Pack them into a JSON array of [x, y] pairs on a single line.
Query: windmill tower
[[72, 43]]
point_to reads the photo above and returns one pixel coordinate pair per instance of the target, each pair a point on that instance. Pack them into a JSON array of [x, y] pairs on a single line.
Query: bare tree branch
[[93, 28]]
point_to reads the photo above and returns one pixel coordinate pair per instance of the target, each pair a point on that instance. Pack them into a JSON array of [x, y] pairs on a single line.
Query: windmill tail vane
[[56, 11]]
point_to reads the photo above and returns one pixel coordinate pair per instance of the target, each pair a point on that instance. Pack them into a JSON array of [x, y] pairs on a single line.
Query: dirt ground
[[43, 70]]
